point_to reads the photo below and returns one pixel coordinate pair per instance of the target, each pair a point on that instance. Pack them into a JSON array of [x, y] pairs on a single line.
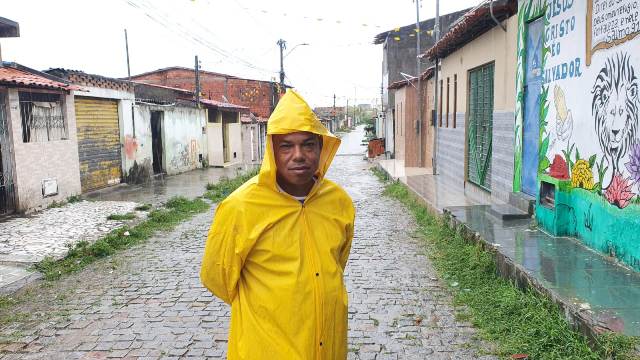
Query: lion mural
[[615, 111]]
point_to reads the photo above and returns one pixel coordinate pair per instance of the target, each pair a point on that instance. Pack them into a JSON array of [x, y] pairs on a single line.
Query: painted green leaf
[[544, 164], [544, 147], [592, 160]]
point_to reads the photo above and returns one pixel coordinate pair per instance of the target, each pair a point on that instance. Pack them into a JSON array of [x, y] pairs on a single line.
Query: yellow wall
[[494, 45]]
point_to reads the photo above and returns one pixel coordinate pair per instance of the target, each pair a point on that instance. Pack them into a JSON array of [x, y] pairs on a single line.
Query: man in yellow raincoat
[[279, 244]]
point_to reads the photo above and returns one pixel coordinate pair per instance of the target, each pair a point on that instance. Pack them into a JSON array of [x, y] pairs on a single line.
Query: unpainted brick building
[[258, 95]]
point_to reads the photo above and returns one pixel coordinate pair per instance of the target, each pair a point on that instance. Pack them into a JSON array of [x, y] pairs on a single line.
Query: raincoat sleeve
[[346, 248], [222, 262]]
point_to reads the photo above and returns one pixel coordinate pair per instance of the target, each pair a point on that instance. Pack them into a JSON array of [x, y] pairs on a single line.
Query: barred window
[[42, 117]]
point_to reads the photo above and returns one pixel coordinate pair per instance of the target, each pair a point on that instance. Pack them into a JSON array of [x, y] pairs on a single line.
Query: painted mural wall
[[589, 145]]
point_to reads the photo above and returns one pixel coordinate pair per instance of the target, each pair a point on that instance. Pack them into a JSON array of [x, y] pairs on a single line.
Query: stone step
[[522, 201], [507, 212]]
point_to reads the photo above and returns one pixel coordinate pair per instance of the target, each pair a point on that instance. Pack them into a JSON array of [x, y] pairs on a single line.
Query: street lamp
[[283, 45]]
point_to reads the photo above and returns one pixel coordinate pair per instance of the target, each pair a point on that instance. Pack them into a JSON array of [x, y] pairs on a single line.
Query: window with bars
[[480, 130], [42, 117]]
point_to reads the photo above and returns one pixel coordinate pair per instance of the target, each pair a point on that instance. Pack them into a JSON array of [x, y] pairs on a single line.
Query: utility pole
[[346, 111], [419, 89], [126, 44], [435, 91], [283, 45], [334, 109], [197, 72], [133, 113]]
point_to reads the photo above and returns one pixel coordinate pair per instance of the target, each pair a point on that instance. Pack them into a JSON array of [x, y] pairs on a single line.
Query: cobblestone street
[[148, 302]]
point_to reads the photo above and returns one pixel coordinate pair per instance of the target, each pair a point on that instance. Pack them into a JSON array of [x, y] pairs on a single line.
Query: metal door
[[532, 91], [480, 131], [98, 142], [7, 188]]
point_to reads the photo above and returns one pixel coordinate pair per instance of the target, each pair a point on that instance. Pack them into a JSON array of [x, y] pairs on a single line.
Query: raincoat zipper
[[316, 285]]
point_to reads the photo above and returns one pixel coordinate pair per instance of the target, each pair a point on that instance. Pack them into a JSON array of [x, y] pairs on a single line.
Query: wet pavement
[[352, 142], [592, 283], [435, 190], [162, 188], [147, 302]]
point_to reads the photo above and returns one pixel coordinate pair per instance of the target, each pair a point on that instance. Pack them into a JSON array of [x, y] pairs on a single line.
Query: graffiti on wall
[[610, 23], [185, 155], [130, 147]]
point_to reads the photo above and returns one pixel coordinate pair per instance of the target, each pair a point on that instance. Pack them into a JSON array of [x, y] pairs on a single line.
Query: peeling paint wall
[[184, 142]]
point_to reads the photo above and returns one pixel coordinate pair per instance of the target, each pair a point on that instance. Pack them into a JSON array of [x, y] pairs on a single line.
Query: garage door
[[98, 142]]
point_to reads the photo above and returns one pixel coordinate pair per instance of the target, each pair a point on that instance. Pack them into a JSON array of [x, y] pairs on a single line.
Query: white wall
[[215, 149], [183, 139], [235, 142]]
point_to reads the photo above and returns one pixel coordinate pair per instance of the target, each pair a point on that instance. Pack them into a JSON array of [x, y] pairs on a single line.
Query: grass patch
[[380, 174], [121, 217], [83, 253], [70, 200], [217, 192], [74, 199], [516, 321], [145, 207]]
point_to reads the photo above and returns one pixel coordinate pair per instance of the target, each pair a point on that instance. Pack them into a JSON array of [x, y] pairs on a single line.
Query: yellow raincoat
[[279, 263]]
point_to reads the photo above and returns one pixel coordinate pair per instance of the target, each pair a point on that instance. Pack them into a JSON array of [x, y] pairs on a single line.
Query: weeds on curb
[[83, 253], [217, 192], [122, 217], [145, 207], [516, 321], [70, 200]]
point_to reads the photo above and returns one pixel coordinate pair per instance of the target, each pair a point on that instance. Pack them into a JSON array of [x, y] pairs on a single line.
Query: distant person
[[279, 244]]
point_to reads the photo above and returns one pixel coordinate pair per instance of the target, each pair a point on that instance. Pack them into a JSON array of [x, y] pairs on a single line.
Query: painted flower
[[559, 168], [582, 175], [634, 163], [619, 192]]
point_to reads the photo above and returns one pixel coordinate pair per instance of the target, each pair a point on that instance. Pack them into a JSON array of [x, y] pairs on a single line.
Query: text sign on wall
[[610, 23]]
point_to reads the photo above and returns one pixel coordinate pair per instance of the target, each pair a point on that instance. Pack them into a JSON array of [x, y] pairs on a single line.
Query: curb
[[580, 320]]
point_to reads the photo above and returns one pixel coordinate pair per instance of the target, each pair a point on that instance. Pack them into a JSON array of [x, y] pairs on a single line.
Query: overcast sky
[[236, 37]]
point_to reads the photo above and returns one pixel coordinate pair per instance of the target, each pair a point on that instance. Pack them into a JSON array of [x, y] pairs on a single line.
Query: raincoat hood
[[293, 114]]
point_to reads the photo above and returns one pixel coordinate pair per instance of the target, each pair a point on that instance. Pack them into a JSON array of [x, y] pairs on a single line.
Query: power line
[[164, 20]]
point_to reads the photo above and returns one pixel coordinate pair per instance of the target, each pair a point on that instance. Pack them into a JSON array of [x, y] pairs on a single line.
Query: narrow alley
[[148, 302]]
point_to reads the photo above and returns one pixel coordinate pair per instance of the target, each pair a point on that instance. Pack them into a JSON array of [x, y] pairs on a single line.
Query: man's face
[[297, 157]]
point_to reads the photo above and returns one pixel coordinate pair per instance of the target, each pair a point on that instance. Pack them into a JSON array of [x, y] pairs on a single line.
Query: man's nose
[[297, 153]]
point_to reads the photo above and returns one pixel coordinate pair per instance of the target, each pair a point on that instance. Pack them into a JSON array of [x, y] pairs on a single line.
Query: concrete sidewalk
[[596, 292], [26, 240]]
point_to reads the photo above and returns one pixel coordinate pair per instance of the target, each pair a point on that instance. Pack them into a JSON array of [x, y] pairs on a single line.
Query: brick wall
[[255, 94], [37, 161]]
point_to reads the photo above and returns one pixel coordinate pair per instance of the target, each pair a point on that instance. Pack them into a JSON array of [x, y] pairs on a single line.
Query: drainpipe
[[494, 17]]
